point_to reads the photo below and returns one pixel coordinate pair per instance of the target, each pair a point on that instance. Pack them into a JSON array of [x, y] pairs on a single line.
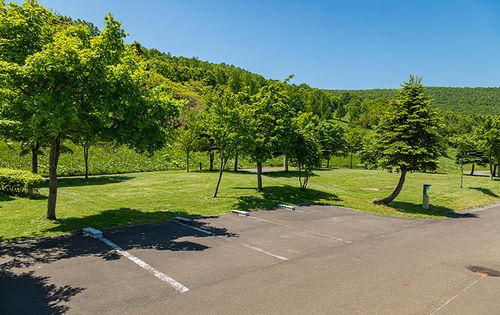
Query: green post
[[425, 203]]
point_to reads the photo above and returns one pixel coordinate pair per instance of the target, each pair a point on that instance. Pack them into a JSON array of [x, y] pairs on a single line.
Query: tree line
[[465, 100]]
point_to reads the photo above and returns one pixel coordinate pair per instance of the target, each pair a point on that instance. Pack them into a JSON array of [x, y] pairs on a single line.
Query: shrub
[[19, 182]]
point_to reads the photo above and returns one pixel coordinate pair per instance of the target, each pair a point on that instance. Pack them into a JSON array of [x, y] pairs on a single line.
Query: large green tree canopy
[[78, 83]]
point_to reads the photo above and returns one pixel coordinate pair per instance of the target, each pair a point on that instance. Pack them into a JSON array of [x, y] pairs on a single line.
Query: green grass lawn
[[117, 200]]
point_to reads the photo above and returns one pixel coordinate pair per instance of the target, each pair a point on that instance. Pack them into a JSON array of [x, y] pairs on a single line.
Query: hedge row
[[19, 182]]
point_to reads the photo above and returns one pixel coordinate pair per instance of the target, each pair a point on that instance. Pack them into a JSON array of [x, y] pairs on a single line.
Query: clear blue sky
[[326, 44]]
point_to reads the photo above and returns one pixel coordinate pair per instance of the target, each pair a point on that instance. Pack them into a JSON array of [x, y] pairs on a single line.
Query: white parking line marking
[[228, 240], [163, 277], [452, 298], [263, 251], [197, 229], [299, 229]]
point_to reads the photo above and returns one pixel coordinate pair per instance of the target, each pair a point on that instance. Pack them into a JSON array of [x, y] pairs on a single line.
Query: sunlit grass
[[117, 200]]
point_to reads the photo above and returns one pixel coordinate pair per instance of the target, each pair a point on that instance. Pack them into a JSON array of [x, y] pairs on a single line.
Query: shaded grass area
[[486, 191], [118, 200], [434, 210], [116, 217], [273, 195]]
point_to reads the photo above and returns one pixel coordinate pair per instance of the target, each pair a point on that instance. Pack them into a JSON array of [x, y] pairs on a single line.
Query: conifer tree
[[407, 138]]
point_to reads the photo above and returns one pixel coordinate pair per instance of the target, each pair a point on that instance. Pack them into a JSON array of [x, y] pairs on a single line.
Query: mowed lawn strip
[[119, 200]]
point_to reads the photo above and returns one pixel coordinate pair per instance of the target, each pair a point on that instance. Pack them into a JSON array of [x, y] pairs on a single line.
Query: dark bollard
[[425, 203]]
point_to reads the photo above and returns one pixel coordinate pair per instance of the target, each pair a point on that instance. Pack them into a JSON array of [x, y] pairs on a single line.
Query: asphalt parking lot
[[316, 259]]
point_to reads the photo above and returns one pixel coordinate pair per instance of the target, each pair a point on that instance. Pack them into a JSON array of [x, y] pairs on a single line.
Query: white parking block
[[241, 213], [183, 220], [92, 232], [287, 207]]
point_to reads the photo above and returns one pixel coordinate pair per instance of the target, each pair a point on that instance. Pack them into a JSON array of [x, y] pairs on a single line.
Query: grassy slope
[[118, 200]]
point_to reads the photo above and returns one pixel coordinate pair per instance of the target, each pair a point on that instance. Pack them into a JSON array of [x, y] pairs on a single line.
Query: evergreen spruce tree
[[407, 137]]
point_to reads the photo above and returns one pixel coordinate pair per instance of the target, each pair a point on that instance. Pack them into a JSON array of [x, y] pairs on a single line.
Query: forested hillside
[[473, 101], [192, 80]]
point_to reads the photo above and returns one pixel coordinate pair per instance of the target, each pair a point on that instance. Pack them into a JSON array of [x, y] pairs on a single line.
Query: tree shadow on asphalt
[[486, 191], [416, 208], [27, 293], [45, 297], [92, 181], [158, 236], [273, 195], [146, 230]]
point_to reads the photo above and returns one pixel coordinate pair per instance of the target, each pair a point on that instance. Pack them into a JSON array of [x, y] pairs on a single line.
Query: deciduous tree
[[24, 30], [189, 135], [77, 75], [354, 141], [488, 134], [305, 153], [331, 139], [224, 124], [269, 121]]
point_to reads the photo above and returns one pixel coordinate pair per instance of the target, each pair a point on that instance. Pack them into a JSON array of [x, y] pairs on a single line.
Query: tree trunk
[[350, 165], [211, 155], [53, 160], [187, 161], [328, 162], [306, 179], [259, 176], [303, 177], [494, 170], [300, 175], [498, 170], [472, 170], [221, 170], [235, 162], [86, 158], [34, 158], [491, 171], [396, 191], [285, 162], [461, 175]]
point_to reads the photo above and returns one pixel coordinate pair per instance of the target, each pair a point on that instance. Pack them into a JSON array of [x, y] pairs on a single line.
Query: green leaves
[[407, 136], [331, 139], [18, 182], [225, 119], [488, 136], [305, 150], [69, 81], [24, 29], [269, 121]]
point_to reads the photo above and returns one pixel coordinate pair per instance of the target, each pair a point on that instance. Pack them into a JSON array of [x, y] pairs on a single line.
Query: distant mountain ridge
[[467, 100]]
